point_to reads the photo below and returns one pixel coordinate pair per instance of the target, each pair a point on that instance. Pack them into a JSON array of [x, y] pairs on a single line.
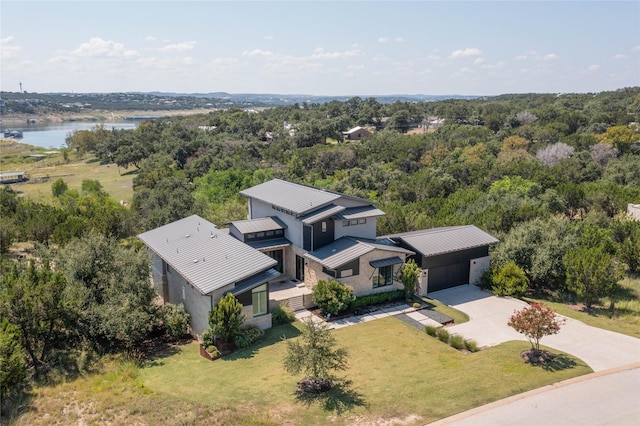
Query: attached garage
[[449, 256], [448, 276]]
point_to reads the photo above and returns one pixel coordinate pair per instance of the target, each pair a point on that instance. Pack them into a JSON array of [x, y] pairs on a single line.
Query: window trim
[[256, 293]]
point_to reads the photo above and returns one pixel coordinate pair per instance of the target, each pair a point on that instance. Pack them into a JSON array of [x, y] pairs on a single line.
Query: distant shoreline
[[9, 120]]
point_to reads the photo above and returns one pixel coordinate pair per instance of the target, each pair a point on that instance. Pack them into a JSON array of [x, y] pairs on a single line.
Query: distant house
[[295, 236], [634, 211], [356, 134], [12, 177]]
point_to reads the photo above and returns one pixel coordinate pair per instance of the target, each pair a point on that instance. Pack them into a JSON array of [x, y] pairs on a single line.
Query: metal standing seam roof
[[205, 256], [258, 225], [346, 249], [322, 213], [297, 198], [437, 241], [359, 213]]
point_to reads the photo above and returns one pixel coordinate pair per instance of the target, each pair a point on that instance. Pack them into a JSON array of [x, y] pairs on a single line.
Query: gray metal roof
[[359, 213], [321, 213], [294, 197], [205, 256], [258, 225], [346, 249], [271, 243], [431, 242]]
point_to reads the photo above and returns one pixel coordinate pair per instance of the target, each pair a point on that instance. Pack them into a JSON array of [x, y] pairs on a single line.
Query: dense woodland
[[548, 175]]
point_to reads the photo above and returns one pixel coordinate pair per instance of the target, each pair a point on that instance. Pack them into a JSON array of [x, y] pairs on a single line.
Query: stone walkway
[[402, 310]]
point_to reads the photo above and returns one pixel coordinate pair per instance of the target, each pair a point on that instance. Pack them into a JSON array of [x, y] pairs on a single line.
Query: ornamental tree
[[535, 321], [315, 354], [409, 277], [226, 318]]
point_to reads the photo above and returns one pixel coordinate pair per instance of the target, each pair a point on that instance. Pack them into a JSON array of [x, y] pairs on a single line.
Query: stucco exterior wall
[[293, 232], [477, 268]]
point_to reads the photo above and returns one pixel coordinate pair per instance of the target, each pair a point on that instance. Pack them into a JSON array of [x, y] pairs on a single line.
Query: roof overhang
[[255, 281]]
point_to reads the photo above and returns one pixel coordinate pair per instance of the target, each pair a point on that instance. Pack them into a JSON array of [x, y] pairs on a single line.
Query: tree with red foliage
[[536, 321]]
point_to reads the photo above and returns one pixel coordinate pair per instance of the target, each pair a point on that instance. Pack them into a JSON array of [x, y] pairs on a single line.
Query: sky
[[332, 48]]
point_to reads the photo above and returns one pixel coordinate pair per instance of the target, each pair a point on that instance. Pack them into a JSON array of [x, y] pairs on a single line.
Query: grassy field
[[42, 173], [396, 374], [626, 317]]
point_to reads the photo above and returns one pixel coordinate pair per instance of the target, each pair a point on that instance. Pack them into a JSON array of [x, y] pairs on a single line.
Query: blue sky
[[320, 48]]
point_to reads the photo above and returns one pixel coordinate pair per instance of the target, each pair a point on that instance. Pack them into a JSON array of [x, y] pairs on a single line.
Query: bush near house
[[332, 297], [374, 299], [282, 315]]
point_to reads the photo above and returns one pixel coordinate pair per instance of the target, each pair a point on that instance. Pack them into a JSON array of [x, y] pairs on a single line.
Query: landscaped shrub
[[175, 320], [374, 299], [208, 338], [430, 330], [332, 297], [510, 280], [213, 351], [456, 341], [443, 335], [282, 315], [471, 345], [416, 305], [248, 336]]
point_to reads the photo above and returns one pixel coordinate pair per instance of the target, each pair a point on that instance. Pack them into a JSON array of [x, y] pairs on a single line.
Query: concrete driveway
[[487, 325]]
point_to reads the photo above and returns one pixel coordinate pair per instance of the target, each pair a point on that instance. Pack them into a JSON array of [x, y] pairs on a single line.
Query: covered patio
[[287, 291]]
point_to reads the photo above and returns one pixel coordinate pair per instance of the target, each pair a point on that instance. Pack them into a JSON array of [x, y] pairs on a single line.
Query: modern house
[[295, 236], [356, 134]]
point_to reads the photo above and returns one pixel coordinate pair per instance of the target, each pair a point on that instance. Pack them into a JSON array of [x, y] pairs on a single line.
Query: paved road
[[596, 399], [600, 349]]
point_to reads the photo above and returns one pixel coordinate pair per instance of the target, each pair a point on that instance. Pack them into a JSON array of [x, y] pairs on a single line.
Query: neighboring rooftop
[[207, 257], [296, 198], [431, 242]]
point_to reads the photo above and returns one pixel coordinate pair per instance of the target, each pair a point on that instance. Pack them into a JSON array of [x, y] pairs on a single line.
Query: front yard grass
[[626, 317], [395, 372]]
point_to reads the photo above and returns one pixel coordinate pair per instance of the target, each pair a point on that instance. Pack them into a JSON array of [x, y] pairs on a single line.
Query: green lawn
[[626, 317], [458, 317], [395, 372], [117, 182]]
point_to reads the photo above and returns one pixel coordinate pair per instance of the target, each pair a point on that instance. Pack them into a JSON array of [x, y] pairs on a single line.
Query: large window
[[277, 255], [259, 300], [383, 276]]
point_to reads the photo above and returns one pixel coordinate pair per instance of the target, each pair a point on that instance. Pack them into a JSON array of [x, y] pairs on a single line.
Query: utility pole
[[20, 87]]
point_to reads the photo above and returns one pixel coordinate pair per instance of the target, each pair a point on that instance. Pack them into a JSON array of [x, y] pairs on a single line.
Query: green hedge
[[373, 299]]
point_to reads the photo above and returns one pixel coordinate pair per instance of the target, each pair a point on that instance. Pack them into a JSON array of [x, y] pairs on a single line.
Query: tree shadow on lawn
[[339, 399], [156, 350], [272, 336], [557, 363]]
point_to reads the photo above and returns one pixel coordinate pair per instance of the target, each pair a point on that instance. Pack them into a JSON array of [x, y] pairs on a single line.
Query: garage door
[[448, 276]]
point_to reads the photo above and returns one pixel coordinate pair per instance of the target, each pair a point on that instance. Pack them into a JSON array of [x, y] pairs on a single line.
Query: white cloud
[[383, 39], [105, 48], [269, 37], [636, 48], [462, 53], [479, 61], [550, 57], [258, 52], [320, 53], [620, 56], [398, 40], [7, 49], [593, 67], [150, 38], [179, 47]]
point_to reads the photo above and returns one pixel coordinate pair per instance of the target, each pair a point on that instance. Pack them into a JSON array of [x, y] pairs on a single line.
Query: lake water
[[53, 135]]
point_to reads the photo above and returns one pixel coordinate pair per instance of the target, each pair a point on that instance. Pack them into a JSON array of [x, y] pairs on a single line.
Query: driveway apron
[[487, 325]]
